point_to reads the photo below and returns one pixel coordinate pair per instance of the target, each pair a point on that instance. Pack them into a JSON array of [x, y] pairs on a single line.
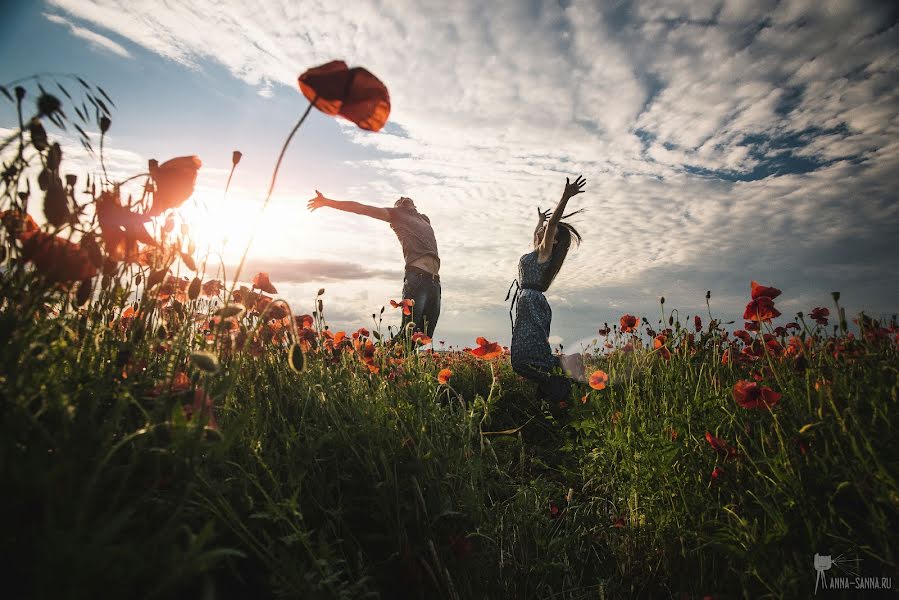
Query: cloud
[[312, 270], [93, 38], [722, 140]]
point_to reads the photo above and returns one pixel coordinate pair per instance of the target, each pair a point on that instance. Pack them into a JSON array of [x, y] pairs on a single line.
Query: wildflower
[[120, 228], [262, 282], [487, 350], [761, 309], [56, 258], [211, 288], [420, 338], [743, 336], [443, 376], [599, 380], [618, 523], [751, 395], [304, 321], [354, 94], [627, 348], [629, 323], [175, 180], [759, 291], [716, 473], [723, 449], [697, 323], [405, 303], [604, 330], [554, 510], [820, 315]]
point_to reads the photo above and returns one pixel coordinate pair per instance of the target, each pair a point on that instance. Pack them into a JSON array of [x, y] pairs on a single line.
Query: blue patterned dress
[[532, 356]]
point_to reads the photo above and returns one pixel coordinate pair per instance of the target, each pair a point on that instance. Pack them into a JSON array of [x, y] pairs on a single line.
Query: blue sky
[[722, 141]]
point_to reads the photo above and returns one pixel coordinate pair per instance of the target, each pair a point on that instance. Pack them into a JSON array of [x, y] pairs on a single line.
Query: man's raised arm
[[375, 212]]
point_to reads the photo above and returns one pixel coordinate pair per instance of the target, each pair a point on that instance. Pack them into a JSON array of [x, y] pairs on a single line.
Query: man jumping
[[421, 282]]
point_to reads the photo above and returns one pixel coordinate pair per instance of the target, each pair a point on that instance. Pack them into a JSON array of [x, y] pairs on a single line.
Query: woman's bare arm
[[544, 250], [375, 212]]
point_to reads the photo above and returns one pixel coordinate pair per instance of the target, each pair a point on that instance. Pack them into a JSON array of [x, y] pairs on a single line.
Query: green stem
[[268, 196]]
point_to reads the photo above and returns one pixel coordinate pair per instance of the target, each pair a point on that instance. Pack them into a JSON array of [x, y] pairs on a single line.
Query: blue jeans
[[425, 290]]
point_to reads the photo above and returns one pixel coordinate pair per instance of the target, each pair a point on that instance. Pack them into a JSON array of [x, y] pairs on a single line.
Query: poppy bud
[[20, 93], [85, 289], [104, 124], [152, 165], [56, 205], [708, 294], [54, 157], [71, 180], [296, 359], [38, 135], [235, 157], [671, 320], [320, 306], [194, 290], [48, 104], [662, 300], [321, 291], [835, 296], [205, 361]]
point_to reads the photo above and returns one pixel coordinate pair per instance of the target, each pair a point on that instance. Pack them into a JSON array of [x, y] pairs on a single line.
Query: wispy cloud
[[721, 140], [93, 38]]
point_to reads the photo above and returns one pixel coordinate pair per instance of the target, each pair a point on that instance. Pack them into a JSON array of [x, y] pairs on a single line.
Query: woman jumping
[[531, 354]]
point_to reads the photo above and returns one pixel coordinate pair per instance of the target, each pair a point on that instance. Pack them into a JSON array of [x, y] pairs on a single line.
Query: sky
[[723, 141]]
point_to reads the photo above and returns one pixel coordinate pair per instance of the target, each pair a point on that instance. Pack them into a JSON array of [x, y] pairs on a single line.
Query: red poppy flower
[[262, 282], [17, 223], [444, 375], [629, 323], [175, 180], [304, 321], [554, 510], [406, 303], [751, 326], [761, 309], [758, 291], [121, 229], [717, 472], [619, 523], [213, 287], [420, 338], [604, 330], [820, 315], [750, 394], [723, 449], [697, 323], [354, 94], [599, 380], [487, 350], [57, 259], [725, 357]]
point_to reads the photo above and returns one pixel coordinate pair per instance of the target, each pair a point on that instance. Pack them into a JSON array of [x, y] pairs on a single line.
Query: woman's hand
[[542, 216], [574, 188], [317, 202]]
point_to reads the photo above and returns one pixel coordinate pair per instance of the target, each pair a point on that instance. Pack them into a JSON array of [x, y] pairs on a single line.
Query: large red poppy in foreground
[[354, 94]]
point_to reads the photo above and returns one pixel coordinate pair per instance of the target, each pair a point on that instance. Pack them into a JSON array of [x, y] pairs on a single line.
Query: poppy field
[[171, 430]]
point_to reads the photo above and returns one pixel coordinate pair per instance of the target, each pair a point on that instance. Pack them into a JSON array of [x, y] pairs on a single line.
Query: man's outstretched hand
[[317, 202]]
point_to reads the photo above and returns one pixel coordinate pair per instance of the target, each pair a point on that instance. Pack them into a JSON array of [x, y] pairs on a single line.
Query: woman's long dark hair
[[565, 233]]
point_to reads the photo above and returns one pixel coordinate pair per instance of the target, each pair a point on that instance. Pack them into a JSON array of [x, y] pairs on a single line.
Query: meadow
[[168, 432]]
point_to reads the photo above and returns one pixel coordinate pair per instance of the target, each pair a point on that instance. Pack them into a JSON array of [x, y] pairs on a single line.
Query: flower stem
[[268, 196]]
